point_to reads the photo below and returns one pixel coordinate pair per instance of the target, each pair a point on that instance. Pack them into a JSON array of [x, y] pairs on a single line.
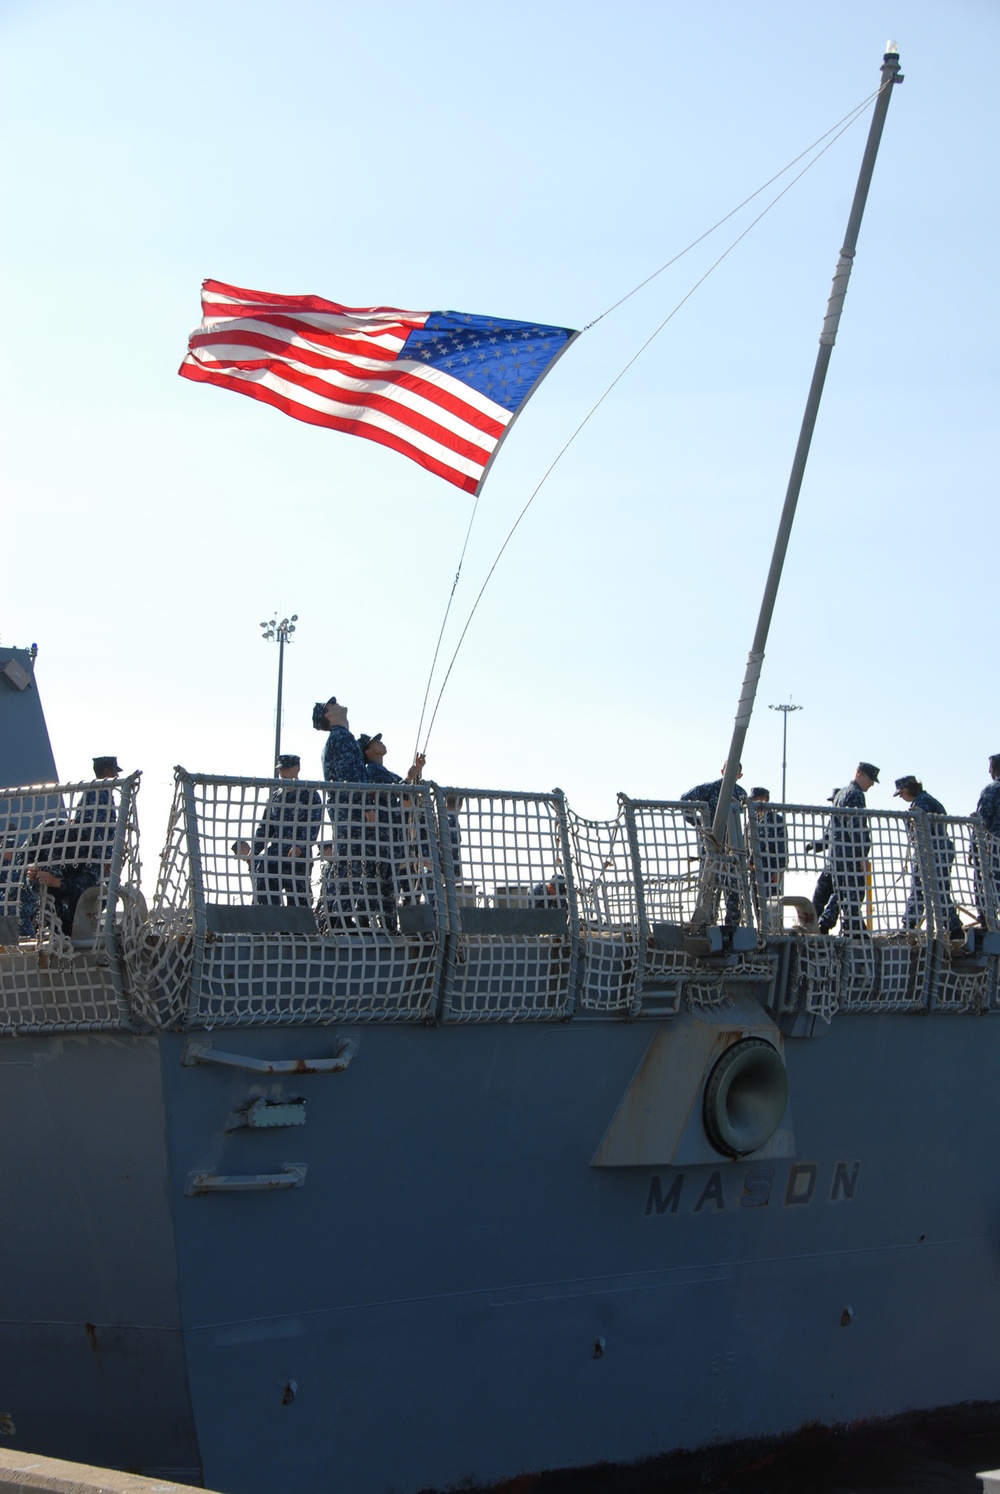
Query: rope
[[846, 121], [444, 623], [840, 128]]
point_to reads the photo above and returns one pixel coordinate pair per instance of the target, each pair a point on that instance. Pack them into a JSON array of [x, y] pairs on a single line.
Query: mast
[[828, 336]]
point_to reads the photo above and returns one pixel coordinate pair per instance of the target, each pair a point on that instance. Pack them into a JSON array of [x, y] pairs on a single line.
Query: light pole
[[784, 709], [281, 631]]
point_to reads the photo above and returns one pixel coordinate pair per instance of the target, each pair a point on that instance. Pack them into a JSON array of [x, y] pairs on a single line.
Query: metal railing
[[291, 902], [900, 891]]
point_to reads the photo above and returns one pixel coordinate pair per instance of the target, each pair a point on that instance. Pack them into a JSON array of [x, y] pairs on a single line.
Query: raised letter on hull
[[656, 1201], [801, 1182], [844, 1182]]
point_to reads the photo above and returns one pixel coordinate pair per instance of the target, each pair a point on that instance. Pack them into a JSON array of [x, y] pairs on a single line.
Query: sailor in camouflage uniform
[[988, 810], [283, 841], [343, 765], [373, 750], [391, 829], [708, 794], [99, 804], [771, 856], [10, 877], [913, 793], [342, 759], [840, 890], [100, 813], [51, 859]]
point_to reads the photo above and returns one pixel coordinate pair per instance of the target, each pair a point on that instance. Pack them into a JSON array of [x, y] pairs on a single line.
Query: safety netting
[[512, 950], [69, 900], [283, 901], [900, 894], [607, 902]]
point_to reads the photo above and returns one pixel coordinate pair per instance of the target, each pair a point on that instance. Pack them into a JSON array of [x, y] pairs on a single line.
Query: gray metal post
[[828, 336], [784, 709], [277, 719], [281, 631]]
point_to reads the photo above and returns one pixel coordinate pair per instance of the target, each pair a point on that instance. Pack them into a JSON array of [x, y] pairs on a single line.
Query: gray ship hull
[[455, 1291]]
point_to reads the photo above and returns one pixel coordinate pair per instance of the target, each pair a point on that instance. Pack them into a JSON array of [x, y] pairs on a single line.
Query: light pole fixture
[[784, 709], [281, 633]]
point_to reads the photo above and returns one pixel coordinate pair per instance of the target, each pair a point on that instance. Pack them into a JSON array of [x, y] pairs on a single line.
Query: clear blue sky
[[537, 161]]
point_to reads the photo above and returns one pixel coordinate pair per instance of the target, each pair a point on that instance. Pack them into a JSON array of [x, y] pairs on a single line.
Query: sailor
[[708, 794], [841, 887], [913, 793], [824, 885], [343, 764], [99, 804], [988, 810], [390, 834], [772, 842], [104, 768], [10, 877], [342, 759], [57, 868], [453, 804], [373, 750], [550, 893], [283, 841], [823, 893]]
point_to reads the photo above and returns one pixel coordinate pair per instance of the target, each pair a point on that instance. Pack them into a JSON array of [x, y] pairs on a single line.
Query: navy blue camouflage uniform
[[74, 878], [21, 898], [344, 764], [342, 758], [390, 837], [772, 838], [11, 869], [943, 850], [840, 889], [99, 810], [379, 773], [455, 844], [53, 849], [100, 814], [283, 845], [771, 855], [988, 810], [708, 793]]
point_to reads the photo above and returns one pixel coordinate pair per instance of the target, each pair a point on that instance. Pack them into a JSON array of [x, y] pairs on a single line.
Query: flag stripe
[[467, 480], [353, 374], [349, 403], [260, 334], [425, 435], [232, 296], [324, 334], [441, 387]]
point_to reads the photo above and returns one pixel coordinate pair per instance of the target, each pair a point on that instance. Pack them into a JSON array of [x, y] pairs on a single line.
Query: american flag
[[442, 387]]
